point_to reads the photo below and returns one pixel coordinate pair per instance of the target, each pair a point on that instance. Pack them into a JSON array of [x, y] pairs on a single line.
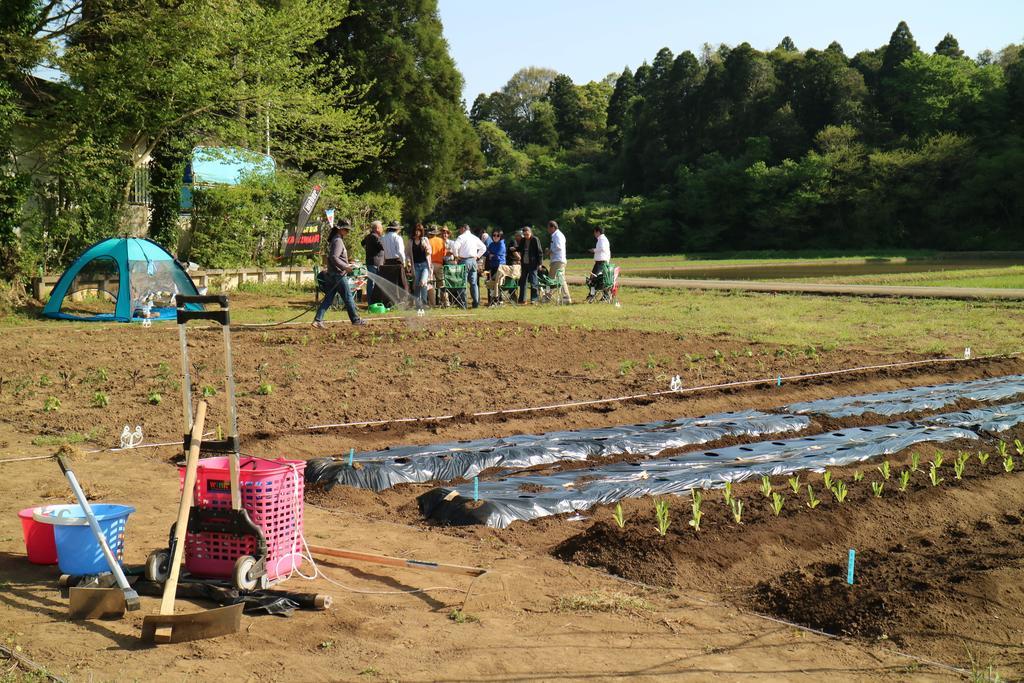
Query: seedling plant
[[983, 457], [839, 490], [933, 474], [766, 486], [885, 469], [959, 464], [727, 493], [1018, 446], [794, 483], [619, 518], [915, 462], [736, 506], [661, 516], [1008, 463], [827, 478], [876, 488], [777, 500], [904, 481], [696, 514], [858, 476], [812, 502]]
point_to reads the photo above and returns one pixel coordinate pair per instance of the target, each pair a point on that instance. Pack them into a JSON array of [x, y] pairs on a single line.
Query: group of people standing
[[426, 252]]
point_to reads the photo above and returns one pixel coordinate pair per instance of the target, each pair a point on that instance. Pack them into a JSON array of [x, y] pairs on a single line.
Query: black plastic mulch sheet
[[992, 420], [379, 470], [528, 497], [933, 397]]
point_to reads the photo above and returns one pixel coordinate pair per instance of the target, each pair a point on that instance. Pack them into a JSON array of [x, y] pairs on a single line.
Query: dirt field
[[551, 607]]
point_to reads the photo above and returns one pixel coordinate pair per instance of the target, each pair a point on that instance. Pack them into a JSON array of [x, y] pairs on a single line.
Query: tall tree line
[[738, 148]]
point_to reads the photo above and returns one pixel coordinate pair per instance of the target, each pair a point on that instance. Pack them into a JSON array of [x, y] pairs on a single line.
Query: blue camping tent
[[115, 279]]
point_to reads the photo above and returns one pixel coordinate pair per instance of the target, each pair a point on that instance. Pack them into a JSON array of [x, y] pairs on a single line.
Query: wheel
[[158, 566], [240, 575]]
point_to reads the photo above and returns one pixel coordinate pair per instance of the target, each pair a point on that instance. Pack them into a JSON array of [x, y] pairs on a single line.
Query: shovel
[[92, 603], [168, 627]]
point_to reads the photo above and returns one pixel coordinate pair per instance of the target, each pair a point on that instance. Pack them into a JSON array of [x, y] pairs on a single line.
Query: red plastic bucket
[[39, 544]]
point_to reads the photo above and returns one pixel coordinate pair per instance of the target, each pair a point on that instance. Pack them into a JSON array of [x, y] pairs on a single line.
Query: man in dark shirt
[[532, 256], [336, 282], [374, 249]]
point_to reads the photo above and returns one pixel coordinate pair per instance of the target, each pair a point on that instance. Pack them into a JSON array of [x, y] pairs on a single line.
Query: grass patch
[[460, 617], [68, 439], [273, 288], [602, 602]]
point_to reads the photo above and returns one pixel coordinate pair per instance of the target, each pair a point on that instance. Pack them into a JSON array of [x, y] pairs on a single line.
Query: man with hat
[[337, 268], [393, 269], [374, 250]]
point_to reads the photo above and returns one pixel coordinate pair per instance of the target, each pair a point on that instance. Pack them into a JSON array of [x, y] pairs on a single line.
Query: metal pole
[[186, 380]]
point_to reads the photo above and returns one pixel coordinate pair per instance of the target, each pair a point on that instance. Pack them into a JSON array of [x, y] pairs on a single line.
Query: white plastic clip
[[130, 439], [676, 384], [146, 322], [967, 353]]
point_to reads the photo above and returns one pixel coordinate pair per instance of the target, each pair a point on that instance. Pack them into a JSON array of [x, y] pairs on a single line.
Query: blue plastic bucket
[[78, 552]]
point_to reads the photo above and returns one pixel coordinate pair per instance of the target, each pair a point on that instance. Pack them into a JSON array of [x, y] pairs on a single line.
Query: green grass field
[[1011, 277], [801, 321], [888, 324], [749, 258]]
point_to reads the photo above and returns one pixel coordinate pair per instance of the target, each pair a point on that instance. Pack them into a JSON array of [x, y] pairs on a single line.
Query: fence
[[219, 279]]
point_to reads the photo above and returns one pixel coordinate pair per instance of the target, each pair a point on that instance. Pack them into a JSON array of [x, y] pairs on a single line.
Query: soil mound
[[633, 553], [819, 597]]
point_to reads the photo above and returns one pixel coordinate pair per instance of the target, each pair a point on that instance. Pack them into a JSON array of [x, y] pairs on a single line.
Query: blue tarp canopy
[[222, 166], [114, 280]]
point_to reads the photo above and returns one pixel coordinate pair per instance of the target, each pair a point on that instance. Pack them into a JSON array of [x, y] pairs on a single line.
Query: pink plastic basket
[[272, 494]]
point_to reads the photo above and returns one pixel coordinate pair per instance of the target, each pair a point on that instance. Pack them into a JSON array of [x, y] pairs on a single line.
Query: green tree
[[949, 47], [624, 91], [568, 108], [398, 52], [499, 151]]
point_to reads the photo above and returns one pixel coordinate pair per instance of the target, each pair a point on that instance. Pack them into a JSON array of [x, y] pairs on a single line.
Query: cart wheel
[[158, 566], [241, 573]]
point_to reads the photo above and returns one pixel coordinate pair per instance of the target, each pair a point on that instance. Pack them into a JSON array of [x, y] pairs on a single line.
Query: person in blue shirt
[[495, 259]]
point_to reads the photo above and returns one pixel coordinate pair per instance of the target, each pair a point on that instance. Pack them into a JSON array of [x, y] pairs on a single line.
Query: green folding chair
[[455, 284]]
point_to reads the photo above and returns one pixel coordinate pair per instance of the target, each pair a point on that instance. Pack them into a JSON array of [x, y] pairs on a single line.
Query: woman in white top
[[602, 255]]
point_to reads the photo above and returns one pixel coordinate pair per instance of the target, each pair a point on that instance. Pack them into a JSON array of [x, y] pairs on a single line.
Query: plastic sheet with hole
[[991, 420], [379, 470], [934, 397], [526, 497]]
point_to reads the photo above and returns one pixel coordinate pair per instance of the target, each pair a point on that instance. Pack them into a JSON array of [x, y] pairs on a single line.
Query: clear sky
[[587, 39]]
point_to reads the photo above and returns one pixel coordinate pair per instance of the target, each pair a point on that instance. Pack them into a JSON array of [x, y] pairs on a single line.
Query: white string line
[[115, 449], [653, 394]]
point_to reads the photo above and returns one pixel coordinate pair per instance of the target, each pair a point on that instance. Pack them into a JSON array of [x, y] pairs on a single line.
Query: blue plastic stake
[[351, 454], [778, 382], [476, 489], [849, 566]]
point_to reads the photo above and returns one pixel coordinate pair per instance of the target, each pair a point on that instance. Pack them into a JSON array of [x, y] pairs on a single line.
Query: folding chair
[[546, 287], [608, 287], [455, 284], [508, 292]]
